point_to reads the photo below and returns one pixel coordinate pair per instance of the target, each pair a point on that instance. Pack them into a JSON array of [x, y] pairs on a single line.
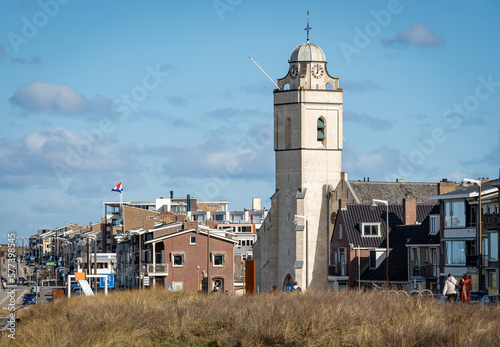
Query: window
[[219, 217], [494, 246], [321, 129], [177, 259], [454, 214], [218, 285], [335, 262], [340, 231], [288, 132], [455, 253], [433, 225], [192, 240], [485, 249], [218, 259], [246, 229], [370, 229], [416, 256], [342, 263]]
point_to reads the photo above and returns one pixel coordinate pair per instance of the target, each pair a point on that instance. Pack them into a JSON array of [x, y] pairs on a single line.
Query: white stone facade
[[308, 145]]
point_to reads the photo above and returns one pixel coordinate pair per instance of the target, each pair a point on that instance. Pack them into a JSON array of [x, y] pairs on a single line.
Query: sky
[[162, 96]]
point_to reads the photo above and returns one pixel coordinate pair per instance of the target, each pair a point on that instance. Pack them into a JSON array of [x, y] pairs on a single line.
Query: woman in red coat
[[465, 287]]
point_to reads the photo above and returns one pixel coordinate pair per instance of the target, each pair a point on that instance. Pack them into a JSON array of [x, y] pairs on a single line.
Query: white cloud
[[32, 160], [59, 98], [416, 35]]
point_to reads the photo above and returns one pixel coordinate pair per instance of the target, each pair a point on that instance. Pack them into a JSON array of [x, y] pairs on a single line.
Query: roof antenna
[[308, 27], [265, 73]]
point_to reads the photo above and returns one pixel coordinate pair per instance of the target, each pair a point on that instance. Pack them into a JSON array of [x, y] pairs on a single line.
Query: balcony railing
[[337, 270], [158, 269], [471, 260], [426, 271], [491, 220]]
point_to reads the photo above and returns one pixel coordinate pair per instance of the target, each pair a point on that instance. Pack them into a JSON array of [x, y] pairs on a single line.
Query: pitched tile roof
[[398, 257], [401, 236], [394, 192], [354, 215]]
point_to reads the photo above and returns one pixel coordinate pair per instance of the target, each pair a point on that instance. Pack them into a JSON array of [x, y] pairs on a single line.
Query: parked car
[[75, 287], [476, 297], [29, 298], [21, 280]]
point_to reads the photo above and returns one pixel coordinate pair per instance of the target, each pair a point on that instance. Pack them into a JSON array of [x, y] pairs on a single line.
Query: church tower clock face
[[317, 71], [294, 71]]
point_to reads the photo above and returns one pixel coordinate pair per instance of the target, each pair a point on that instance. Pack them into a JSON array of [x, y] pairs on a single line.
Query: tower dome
[[307, 52]]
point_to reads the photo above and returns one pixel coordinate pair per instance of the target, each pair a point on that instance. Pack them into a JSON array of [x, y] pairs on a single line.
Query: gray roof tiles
[[355, 215], [394, 192]]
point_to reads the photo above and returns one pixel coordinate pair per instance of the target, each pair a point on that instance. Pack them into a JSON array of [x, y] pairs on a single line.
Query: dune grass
[[162, 318]]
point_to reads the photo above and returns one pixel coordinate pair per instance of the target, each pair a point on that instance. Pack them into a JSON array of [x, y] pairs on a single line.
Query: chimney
[[343, 204], [188, 202], [410, 210], [255, 204], [171, 194], [343, 176], [445, 187], [399, 180]]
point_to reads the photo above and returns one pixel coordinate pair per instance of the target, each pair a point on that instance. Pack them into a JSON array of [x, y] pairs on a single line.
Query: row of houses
[[434, 230], [180, 244]]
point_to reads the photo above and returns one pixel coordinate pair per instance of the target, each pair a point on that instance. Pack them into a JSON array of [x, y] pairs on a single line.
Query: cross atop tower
[[308, 27]]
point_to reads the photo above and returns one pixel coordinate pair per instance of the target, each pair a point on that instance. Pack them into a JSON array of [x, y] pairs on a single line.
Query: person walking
[[465, 286], [296, 287], [450, 288]]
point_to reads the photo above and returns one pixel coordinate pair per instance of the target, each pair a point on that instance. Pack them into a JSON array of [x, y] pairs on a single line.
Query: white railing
[[158, 269]]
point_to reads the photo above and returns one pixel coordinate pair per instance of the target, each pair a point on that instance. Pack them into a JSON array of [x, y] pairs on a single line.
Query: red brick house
[[180, 261]]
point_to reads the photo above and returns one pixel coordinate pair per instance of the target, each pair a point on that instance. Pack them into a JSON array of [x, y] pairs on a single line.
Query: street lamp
[[307, 245], [479, 231], [374, 206]]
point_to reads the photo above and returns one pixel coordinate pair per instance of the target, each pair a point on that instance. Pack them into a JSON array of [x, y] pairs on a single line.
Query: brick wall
[[196, 255], [134, 217]]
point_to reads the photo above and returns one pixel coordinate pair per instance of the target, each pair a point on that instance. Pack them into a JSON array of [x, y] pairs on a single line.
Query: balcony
[[426, 271], [491, 221], [337, 271], [471, 260], [157, 269]]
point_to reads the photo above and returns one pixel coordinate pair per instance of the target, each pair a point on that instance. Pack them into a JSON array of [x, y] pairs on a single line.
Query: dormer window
[[370, 229], [321, 129]]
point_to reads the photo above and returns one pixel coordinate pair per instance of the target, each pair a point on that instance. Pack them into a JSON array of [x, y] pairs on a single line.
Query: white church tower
[[293, 241]]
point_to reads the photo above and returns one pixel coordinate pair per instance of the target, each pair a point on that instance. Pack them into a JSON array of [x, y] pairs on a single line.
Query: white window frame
[[173, 255], [191, 240], [433, 227], [216, 254], [371, 225]]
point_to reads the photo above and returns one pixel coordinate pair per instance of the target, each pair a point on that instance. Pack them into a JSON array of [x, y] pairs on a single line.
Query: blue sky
[[162, 95]]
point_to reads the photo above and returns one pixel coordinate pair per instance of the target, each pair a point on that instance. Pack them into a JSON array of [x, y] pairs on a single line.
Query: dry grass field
[[161, 318]]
